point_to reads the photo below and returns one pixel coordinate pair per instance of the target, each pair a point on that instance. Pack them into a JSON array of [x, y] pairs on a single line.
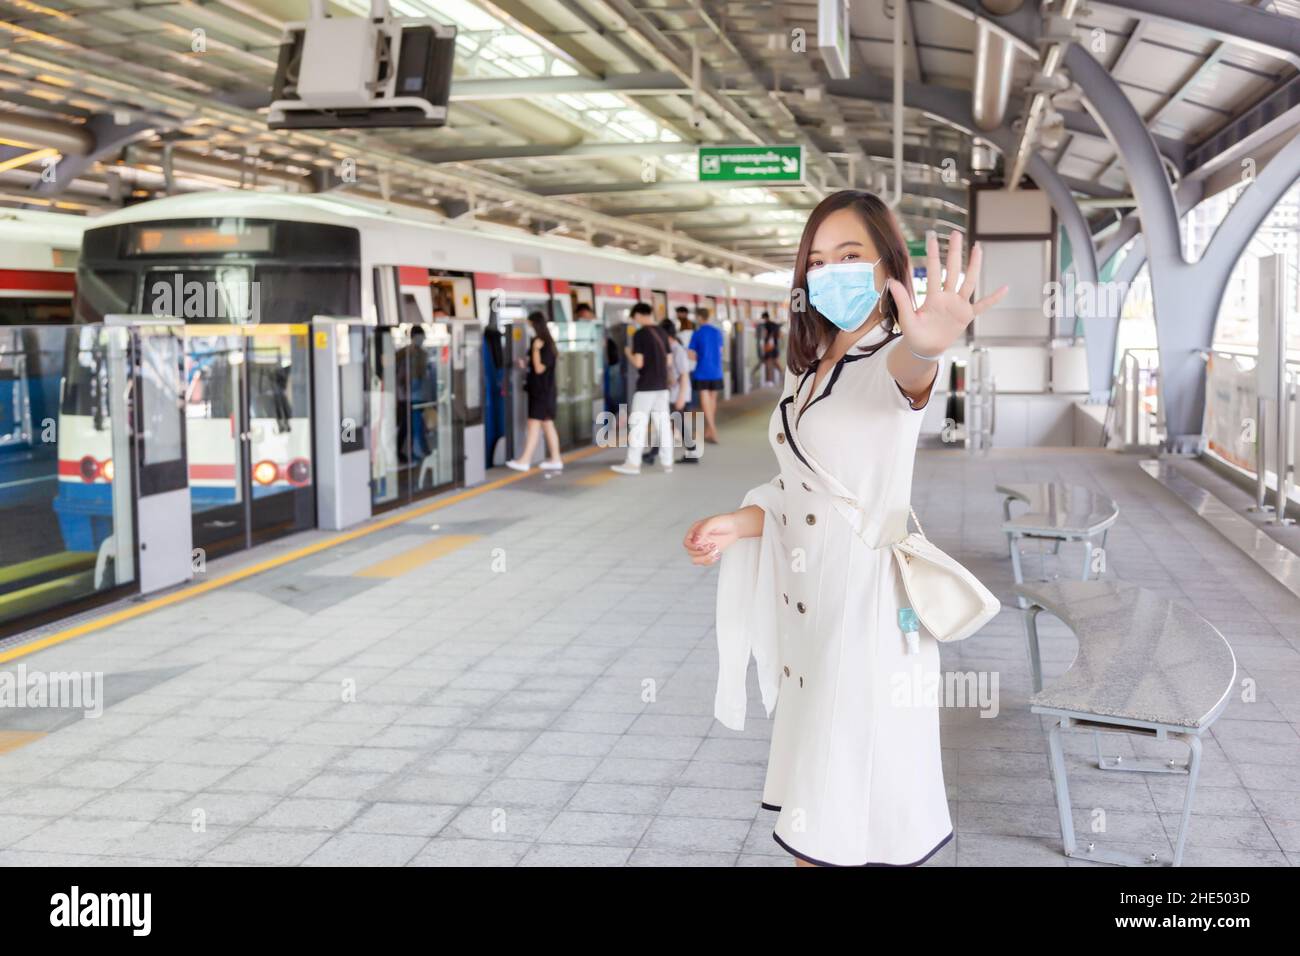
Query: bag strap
[[916, 520]]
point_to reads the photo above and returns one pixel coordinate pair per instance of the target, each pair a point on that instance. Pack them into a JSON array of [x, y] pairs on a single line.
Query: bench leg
[[1061, 785], [1031, 640], [1136, 764], [1087, 558], [1091, 851], [1193, 771], [1016, 569], [1006, 516]]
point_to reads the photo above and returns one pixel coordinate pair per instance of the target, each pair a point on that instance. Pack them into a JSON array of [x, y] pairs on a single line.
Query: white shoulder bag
[[948, 600]]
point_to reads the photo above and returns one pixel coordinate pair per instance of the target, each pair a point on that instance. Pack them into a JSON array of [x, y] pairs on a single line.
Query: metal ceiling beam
[[471, 154], [1080, 123], [946, 194], [1238, 23], [1208, 63], [933, 158], [910, 23], [529, 87], [708, 207], [108, 137], [1089, 188], [1187, 295], [1263, 120], [954, 106], [371, 153], [636, 186], [1076, 121], [641, 25]]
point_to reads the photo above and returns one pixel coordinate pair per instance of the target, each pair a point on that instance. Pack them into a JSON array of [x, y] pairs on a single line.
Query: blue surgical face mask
[[844, 292]]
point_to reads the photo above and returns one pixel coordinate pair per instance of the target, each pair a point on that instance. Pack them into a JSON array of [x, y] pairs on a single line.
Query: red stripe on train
[[72, 469], [32, 280], [412, 275]]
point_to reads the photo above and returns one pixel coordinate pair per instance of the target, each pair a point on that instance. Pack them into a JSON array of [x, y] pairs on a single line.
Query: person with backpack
[[648, 354]]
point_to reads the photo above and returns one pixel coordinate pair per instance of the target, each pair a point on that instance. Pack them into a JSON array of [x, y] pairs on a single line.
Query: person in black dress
[[540, 388]]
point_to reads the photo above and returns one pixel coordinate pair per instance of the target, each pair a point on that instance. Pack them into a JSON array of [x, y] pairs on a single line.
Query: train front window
[[102, 292], [221, 295], [293, 294], [85, 376], [35, 311]]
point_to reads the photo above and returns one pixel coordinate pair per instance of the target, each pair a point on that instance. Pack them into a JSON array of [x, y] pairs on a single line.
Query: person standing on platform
[[679, 395], [684, 322], [540, 388], [855, 773], [648, 354], [706, 349], [412, 363], [769, 348]]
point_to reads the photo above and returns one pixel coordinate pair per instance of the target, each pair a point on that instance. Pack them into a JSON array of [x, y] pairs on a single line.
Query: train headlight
[[298, 472], [88, 468], [265, 472], [106, 469]]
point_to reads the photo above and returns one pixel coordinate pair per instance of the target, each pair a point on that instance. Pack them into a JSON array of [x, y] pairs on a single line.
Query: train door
[[149, 368], [588, 338], [579, 345], [514, 337], [248, 427], [411, 381], [614, 309], [506, 333]]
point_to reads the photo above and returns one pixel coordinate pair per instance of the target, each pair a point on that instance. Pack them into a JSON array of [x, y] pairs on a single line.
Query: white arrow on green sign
[[733, 164]]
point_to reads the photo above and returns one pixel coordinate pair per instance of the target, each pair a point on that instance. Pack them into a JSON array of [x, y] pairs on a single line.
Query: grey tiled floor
[[556, 709]]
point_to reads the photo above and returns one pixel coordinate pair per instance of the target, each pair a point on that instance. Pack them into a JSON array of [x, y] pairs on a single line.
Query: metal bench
[[1056, 511], [1145, 666]]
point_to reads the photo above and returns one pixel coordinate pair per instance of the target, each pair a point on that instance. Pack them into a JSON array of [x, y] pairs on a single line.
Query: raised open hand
[[947, 309]]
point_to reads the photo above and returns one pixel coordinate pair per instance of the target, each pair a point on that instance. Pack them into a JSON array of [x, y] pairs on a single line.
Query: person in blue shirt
[[706, 350]]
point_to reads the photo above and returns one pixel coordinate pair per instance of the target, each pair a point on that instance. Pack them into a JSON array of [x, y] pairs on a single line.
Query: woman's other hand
[[709, 537]]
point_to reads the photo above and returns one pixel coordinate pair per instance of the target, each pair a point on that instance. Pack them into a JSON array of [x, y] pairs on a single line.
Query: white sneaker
[[517, 465], [552, 466], [625, 469]]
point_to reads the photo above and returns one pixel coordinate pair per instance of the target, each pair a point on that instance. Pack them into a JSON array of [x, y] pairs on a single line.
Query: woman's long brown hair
[[542, 329], [809, 329]]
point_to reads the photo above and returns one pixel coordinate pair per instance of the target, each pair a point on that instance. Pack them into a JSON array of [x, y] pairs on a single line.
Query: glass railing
[[1234, 428]]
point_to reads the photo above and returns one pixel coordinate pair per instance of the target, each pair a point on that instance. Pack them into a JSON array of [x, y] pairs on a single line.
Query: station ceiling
[[582, 117]]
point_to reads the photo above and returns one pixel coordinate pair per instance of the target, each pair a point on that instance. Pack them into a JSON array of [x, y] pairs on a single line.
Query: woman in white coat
[[808, 584]]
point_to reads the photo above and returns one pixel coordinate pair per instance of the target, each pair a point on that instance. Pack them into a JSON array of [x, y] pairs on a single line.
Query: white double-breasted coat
[[854, 768]]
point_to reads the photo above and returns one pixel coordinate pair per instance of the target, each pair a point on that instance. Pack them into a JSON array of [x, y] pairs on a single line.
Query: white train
[[248, 272], [38, 266], [38, 262]]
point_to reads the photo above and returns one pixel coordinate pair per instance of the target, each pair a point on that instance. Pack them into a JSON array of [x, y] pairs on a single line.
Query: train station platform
[[524, 674]]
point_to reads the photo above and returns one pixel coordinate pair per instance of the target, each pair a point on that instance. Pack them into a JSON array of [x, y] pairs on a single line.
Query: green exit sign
[[735, 164]]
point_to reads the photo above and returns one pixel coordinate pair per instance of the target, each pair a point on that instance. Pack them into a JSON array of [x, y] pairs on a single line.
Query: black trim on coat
[[789, 435], [863, 352], [808, 859]]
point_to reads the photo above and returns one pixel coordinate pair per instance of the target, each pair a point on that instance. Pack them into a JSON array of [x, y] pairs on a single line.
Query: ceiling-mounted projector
[[337, 72]]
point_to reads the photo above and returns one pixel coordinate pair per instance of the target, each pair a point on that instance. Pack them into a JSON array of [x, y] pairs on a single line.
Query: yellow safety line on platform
[[418, 556], [599, 478], [13, 739], [194, 590]]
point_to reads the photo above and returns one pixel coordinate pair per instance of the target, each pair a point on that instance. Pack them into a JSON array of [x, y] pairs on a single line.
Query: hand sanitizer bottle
[[911, 627]]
